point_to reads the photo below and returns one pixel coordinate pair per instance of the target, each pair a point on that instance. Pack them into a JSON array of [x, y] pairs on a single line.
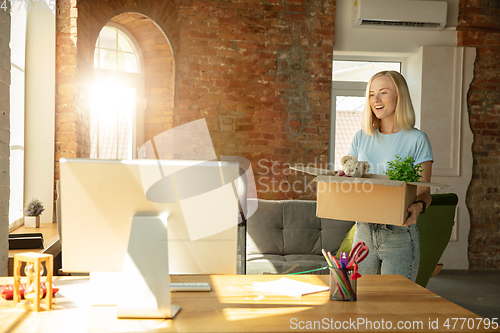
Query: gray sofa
[[285, 236]]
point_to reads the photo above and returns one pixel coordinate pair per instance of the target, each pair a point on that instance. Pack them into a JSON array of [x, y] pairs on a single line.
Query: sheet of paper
[[285, 286]]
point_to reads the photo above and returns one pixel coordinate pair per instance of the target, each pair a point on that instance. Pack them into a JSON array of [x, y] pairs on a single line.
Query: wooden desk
[[51, 241], [233, 306]]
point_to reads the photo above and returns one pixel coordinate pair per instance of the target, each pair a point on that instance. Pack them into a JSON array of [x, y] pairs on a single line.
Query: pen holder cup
[[342, 286]]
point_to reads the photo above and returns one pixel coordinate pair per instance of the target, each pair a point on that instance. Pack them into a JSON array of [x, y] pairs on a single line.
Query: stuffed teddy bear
[[353, 168]]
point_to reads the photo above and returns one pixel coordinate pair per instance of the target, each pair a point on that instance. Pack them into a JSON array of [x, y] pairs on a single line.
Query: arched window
[[115, 51], [116, 120]]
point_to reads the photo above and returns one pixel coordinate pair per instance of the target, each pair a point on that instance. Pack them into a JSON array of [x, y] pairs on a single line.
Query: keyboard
[[188, 286]]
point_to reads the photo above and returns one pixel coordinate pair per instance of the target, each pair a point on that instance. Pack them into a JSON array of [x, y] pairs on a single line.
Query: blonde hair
[[404, 114]]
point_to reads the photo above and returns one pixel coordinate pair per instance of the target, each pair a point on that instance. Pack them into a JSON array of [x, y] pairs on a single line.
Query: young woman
[[388, 130]]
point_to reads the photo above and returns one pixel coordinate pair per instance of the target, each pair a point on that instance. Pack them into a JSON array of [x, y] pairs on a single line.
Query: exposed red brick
[[241, 65], [477, 16]]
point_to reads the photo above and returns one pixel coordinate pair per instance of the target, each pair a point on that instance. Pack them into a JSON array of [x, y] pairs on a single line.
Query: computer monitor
[[100, 198]]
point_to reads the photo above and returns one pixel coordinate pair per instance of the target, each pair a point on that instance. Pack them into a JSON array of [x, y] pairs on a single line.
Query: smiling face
[[383, 97]]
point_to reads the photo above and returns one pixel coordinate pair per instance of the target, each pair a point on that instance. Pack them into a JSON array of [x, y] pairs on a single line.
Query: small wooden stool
[[36, 259]]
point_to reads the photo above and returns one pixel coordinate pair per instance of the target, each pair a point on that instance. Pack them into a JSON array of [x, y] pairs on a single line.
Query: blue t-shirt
[[380, 148]]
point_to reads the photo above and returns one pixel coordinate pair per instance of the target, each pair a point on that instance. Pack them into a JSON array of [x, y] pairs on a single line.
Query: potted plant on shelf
[[32, 211]]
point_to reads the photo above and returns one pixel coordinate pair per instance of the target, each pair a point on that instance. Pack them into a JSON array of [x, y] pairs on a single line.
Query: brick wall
[[4, 137], [258, 71], [479, 26], [159, 71], [72, 124]]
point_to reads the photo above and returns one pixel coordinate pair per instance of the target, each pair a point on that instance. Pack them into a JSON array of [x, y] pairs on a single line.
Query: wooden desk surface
[[234, 306]]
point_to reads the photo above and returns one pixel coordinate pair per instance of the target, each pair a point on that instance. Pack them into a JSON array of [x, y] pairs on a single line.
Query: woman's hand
[[414, 210], [423, 193]]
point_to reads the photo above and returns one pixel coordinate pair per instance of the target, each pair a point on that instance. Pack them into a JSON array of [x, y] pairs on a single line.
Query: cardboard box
[[373, 198]]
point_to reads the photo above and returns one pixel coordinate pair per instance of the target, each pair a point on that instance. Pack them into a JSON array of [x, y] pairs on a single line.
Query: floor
[[476, 291]]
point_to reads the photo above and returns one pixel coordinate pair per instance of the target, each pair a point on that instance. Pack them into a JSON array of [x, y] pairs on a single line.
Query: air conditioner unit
[[407, 14]]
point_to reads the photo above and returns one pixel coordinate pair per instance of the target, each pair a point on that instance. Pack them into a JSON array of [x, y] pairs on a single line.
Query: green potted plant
[[32, 211], [404, 170]]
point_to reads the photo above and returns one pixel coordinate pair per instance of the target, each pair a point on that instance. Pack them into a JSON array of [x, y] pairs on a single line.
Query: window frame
[[131, 80], [352, 89], [132, 40]]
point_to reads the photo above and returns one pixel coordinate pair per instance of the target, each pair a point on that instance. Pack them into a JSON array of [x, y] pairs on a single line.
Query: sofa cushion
[[301, 227], [275, 264], [333, 233], [265, 229], [285, 235]]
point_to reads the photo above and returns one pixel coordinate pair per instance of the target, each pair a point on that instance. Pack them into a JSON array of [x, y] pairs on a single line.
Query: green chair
[[434, 228]]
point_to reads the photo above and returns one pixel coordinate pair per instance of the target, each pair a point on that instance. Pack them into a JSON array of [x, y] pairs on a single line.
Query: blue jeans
[[393, 249]]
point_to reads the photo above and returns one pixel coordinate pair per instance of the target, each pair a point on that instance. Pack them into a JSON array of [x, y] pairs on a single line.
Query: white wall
[[4, 138], [17, 87], [40, 109], [353, 40], [414, 75], [446, 80]]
